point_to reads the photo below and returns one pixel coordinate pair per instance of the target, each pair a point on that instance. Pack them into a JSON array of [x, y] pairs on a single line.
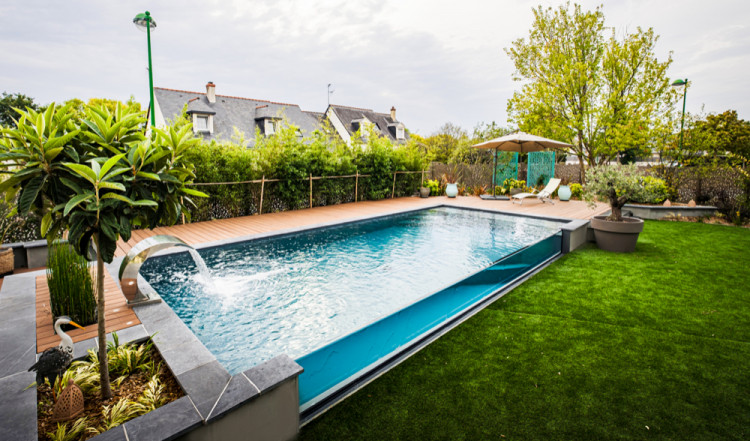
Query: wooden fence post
[[310, 190], [262, 188], [421, 183], [356, 185], [182, 202], [393, 192]]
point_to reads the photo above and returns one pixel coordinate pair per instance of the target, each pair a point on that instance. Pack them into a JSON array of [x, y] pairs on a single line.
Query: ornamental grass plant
[[71, 289]]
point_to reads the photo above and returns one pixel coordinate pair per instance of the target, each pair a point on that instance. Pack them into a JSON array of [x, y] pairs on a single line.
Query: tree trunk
[[616, 204], [582, 170], [102, 334]]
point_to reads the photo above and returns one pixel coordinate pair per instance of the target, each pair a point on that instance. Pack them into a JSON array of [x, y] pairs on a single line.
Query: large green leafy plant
[[616, 184], [97, 178], [604, 91]]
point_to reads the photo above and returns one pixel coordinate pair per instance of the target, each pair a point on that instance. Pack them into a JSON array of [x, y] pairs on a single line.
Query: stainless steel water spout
[[132, 262]]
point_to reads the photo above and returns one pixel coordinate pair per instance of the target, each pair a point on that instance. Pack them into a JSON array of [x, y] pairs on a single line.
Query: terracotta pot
[[619, 237], [424, 192]]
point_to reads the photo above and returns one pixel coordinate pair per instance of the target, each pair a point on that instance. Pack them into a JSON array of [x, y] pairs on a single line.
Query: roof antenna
[[329, 94]]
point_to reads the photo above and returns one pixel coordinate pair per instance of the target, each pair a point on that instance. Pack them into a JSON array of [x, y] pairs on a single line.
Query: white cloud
[[436, 61]]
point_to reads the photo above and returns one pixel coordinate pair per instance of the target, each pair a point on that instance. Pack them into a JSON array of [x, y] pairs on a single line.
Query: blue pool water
[[298, 293]]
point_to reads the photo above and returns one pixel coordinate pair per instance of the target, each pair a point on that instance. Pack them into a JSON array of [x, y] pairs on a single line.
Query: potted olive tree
[[616, 184]]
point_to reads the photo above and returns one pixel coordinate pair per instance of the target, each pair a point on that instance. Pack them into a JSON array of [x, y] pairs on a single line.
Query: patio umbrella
[[520, 142]]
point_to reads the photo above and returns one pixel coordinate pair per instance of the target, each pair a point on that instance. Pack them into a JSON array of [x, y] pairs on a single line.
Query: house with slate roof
[[216, 116], [348, 120]]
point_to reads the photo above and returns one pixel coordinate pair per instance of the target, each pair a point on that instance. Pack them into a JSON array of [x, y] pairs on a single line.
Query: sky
[[436, 61]]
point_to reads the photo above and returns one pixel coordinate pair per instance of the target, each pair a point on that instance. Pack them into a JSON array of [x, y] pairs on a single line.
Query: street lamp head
[[144, 21], [679, 83]]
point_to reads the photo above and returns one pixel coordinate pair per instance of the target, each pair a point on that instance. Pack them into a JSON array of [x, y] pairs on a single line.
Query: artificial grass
[[649, 345]]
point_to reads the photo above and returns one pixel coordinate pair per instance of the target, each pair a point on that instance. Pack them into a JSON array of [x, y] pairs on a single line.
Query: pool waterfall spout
[[131, 265]]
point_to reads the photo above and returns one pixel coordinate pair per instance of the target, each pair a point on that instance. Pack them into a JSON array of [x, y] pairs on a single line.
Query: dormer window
[[271, 126], [363, 126], [201, 123], [400, 133]]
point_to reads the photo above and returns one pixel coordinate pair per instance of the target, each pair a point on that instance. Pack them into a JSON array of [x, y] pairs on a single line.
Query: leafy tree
[[601, 93], [14, 100], [721, 133], [96, 180], [78, 106]]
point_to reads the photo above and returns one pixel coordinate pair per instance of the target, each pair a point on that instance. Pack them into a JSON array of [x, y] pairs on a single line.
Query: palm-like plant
[[97, 178]]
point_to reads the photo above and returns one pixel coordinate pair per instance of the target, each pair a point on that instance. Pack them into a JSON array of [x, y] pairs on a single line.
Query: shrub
[[480, 190], [291, 160], [655, 190], [434, 186], [511, 183], [576, 190], [71, 289]]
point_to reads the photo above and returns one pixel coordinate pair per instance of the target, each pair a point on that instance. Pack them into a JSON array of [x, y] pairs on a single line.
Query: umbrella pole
[[494, 172]]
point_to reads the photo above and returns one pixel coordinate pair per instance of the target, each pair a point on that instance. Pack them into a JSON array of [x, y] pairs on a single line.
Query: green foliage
[[99, 179], [68, 431], [511, 183], [152, 397], [11, 101], [602, 93], [125, 360], [291, 159], [17, 228], [71, 288], [451, 144], [115, 415], [576, 190], [719, 133], [655, 191], [616, 184], [434, 186]]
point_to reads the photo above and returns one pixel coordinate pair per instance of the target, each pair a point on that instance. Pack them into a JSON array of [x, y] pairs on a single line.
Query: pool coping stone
[[18, 407]]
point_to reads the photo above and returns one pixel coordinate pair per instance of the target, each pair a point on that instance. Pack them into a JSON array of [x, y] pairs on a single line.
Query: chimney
[[211, 92], [393, 114]]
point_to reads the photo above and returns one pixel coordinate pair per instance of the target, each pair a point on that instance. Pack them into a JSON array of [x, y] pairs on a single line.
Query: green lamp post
[[683, 84], [145, 23]]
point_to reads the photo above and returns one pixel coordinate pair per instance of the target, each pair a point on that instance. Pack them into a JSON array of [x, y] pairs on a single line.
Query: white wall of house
[[159, 116], [338, 125]]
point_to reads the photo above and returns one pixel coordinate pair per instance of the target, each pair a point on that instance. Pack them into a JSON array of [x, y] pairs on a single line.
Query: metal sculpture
[[132, 262], [55, 361]]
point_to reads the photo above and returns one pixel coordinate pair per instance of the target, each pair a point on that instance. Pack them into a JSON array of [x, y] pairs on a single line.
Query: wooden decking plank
[[117, 313]]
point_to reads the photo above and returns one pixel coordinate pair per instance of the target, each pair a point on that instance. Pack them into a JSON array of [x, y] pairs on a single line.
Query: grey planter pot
[[619, 237], [424, 192]]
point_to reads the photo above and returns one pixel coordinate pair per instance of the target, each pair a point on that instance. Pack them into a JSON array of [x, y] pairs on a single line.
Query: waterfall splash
[[202, 268]]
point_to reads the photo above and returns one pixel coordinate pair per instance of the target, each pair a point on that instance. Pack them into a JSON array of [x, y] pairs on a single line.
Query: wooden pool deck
[[119, 315], [223, 229]]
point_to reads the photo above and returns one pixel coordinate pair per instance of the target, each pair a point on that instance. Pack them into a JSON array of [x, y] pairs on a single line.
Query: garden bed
[[141, 382], [656, 212]]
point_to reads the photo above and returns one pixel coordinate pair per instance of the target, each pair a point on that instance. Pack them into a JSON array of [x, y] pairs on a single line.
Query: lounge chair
[[541, 195]]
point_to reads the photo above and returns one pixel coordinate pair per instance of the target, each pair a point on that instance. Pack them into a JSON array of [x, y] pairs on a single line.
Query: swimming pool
[[316, 293]]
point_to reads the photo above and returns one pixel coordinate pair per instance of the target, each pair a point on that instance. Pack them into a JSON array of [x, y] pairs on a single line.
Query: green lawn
[[649, 345]]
